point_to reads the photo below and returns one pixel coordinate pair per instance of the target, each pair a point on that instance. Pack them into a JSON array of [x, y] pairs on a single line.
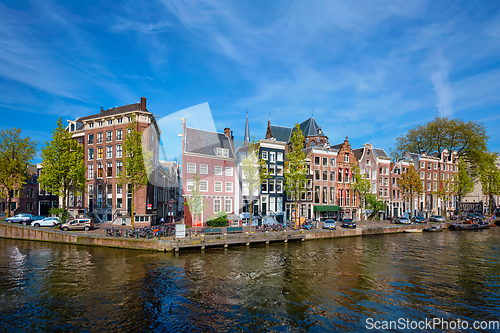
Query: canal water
[[345, 285]]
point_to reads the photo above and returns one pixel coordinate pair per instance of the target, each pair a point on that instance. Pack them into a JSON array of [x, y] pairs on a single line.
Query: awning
[[233, 217], [326, 208]]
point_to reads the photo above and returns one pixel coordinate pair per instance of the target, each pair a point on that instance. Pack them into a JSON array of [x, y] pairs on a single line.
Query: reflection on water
[[317, 286]]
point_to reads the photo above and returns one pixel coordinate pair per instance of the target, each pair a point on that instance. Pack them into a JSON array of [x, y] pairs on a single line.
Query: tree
[[295, 168], [255, 171], [63, 164], [361, 186], [445, 189], [411, 185], [16, 154], [136, 164], [374, 204], [489, 175], [195, 201], [464, 184], [468, 139]]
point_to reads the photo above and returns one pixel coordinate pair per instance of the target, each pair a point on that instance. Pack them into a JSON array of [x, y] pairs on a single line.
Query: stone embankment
[[16, 231]]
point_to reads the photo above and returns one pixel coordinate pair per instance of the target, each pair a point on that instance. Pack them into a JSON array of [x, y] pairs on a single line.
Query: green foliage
[[464, 185], [195, 202], [489, 175], [374, 204], [468, 139], [137, 163], [16, 154], [254, 170], [361, 185], [295, 168], [410, 185], [59, 212], [63, 164], [218, 221]]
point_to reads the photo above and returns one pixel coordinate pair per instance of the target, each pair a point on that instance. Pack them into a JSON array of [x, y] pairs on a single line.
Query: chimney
[[228, 133], [102, 109], [143, 104]]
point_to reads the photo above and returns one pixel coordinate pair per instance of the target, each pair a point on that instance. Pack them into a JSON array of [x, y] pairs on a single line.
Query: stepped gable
[[205, 142]]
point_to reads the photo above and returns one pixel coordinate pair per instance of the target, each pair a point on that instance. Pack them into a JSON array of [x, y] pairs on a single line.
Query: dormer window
[[91, 125], [100, 123], [222, 152]]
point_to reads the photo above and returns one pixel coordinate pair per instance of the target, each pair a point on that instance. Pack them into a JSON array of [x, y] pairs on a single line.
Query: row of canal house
[[328, 192]]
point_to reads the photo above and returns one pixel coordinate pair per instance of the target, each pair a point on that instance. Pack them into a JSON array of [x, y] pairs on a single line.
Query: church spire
[[246, 139]]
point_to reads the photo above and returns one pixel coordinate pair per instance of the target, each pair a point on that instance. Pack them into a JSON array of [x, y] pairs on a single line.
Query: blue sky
[[369, 69]]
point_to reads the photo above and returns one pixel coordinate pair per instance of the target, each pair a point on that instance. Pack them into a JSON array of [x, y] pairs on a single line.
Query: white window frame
[[203, 185], [229, 187], [279, 157], [226, 206], [218, 201], [90, 171], [203, 169], [229, 171], [279, 170], [190, 184], [218, 170], [191, 168], [119, 151], [217, 186], [272, 157], [264, 155]]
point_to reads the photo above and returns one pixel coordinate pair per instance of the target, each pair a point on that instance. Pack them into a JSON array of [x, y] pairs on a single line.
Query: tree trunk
[[296, 213], [9, 202], [132, 209], [250, 218]]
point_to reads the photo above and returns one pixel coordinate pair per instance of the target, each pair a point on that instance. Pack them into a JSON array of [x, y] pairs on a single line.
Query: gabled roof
[[114, 111], [205, 142], [310, 128], [380, 152], [358, 153], [281, 133]]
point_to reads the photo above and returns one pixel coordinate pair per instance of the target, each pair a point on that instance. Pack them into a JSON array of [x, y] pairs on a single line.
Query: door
[[264, 209]]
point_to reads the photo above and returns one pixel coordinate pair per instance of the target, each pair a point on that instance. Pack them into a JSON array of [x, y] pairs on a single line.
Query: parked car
[[403, 220], [47, 222], [37, 217], [436, 218], [348, 223], [78, 224], [419, 219], [330, 224], [24, 219]]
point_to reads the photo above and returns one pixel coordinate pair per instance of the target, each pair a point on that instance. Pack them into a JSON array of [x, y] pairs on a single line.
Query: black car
[[348, 223]]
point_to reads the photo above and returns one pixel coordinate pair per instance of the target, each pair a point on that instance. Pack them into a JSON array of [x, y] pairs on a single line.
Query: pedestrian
[[162, 221]]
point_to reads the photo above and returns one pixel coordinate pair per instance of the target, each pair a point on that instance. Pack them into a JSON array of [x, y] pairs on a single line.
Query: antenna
[[312, 113], [246, 111], [269, 114]]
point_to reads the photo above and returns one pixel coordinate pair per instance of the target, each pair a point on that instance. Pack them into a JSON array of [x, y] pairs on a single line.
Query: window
[[380, 180], [109, 151], [279, 186], [91, 154], [422, 164], [435, 176], [109, 169], [386, 181], [264, 155], [434, 185], [428, 166], [118, 189], [119, 120], [228, 205], [119, 134], [110, 122], [119, 151], [332, 162], [435, 166], [325, 161], [204, 169], [229, 187], [100, 123], [91, 139], [91, 171], [316, 160], [271, 185], [218, 170], [190, 184], [99, 137], [316, 175], [325, 175], [99, 153], [204, 185], [279, 171], [272, 157], [218, 186], [191, 168], [216, 205], [119, 167], [346, 158], [368, 162], [272, 170], [332, 195], [100, 171], [428, 186], [91, 189], [325, 195], [229, 171], [109, 136], [429, 175], [91, 125], [422, 175], [130, 118], [339, 178], [264, 186], [119, 202], [280, 157], [309, 183], [316, 194], [332, 176]]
